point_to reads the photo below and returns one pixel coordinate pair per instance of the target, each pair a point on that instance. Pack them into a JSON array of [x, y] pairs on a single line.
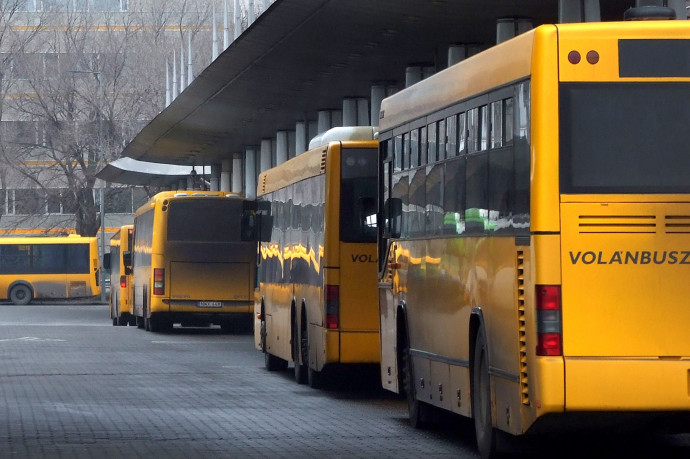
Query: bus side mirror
[[127, 261], [393, 216], [106, 261], [265, 227], [249, 226]]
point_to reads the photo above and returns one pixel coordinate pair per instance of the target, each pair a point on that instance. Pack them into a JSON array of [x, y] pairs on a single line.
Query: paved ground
[[74, 386]]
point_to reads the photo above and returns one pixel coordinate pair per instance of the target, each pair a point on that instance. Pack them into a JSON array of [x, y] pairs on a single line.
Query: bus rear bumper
[[651, 384], [359, 347]]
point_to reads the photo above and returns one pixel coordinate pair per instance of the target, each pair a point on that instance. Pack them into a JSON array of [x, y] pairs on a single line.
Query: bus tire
[[20, 295], [315, 378], [481, 399], [300, 353], [416, 409], [139, 321]]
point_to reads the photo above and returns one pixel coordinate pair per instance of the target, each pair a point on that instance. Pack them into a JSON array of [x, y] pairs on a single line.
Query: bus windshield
[[358, 195], [207, 220], [624, 137]]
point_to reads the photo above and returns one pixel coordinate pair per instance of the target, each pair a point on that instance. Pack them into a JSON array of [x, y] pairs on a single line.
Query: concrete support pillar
[[363, 112], [215, 176], [349, 112], [265, 155], [413, 74], [578, 11], [250, 173], [456, 53], [291, 144], [281, 147], [301, 138], [323, 121], [225, 171], [251, 12], [313, 129], [236, 173], [190, 183], [681, 9], [378, 93], [508, 28]]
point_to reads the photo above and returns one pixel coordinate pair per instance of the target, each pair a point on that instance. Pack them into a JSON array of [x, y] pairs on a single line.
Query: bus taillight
[[158, 281], [549, 320], [332, 306], [123, 281]]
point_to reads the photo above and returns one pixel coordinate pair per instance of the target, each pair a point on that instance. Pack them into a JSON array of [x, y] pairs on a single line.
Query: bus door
[[358, 249]]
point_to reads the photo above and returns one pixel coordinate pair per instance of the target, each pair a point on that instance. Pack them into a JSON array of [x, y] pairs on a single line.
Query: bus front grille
[[675, 224], [617, 224]]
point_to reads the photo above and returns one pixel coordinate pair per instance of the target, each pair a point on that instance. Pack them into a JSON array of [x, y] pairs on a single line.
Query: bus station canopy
[[302, 56], [132, 172]]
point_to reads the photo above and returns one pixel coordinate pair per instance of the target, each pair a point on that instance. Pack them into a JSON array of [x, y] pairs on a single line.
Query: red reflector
[[332, 306], [331, 321], [123, 281], [592, 57], [158, 281], [548, 297], [549, 344], [549, 320], [574, 57]]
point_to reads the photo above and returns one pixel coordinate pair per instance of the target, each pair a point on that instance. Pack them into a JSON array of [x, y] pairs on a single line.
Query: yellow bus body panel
[[624, 279], [627, 384]]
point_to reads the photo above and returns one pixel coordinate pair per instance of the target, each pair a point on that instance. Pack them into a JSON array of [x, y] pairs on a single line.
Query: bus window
[[497, 124], [358, 196], [212, 220]]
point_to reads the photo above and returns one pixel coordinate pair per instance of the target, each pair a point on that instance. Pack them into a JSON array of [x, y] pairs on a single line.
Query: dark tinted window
[[476, 212], [358, 203], [624, 137], [44, 259], [205, 220]]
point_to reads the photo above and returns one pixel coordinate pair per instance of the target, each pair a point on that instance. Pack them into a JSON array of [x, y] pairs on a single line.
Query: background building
[[78, 80]]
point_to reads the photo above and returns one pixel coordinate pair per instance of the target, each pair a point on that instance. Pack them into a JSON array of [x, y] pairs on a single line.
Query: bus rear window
[[359, 169], [624, 138], [205, 220]]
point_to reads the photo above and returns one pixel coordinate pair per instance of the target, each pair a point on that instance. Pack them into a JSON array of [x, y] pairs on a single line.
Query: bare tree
[[90, 81]]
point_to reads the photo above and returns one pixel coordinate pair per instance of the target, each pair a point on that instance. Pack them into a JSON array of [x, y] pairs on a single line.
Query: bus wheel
[[153, 324], [139, 321], [300, 352], [481, 399], [20, 295], [415, 408], [314, 378]]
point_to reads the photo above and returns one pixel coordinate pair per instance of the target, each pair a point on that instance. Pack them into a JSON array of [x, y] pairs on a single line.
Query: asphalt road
[[72, 386]]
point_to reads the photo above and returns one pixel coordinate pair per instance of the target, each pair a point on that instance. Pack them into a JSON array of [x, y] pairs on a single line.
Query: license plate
[[210, 304]]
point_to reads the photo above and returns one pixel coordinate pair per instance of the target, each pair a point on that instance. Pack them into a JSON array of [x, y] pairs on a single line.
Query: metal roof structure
[[302, 56], [129, 171]]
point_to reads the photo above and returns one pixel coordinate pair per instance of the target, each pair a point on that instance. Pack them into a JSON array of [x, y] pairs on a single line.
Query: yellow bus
[[316, 305], [193, 261], [121, 309], [534, 231], [48, 268]]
